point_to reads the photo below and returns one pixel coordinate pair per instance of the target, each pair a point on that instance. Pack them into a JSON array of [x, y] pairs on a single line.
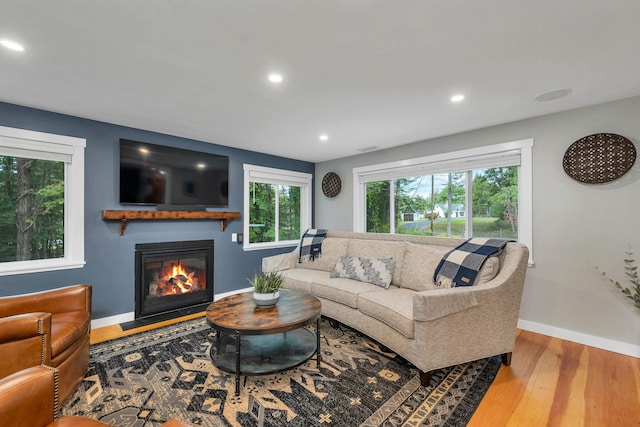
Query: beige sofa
[[429, 326]]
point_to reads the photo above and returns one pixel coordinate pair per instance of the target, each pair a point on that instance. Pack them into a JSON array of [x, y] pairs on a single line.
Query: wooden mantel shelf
[[123, 216]]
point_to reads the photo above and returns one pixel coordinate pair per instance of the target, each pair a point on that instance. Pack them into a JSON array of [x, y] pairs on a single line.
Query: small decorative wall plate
[[599, 158], [331, 184]]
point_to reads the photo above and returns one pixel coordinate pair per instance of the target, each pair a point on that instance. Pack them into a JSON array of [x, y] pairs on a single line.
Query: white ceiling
[[365, 72]]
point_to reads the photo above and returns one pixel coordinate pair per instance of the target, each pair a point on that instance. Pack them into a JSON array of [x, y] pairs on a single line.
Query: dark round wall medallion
[[331, 184], [599, 158]]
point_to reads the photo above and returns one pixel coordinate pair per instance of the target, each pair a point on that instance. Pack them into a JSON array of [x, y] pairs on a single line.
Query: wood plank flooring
[[115, 331], [550, 382]]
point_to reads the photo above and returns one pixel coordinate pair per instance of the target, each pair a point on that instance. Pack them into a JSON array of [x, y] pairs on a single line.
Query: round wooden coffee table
[[256, 341]]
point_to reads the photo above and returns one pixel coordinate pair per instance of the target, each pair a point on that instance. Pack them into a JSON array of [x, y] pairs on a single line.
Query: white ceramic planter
[[266, 300]]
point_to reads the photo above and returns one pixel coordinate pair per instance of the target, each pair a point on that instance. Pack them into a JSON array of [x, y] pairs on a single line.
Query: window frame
[[475, 158], [70, 150], [267, 175]]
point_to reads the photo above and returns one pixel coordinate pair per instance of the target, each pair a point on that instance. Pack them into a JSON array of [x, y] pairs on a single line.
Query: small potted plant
[[266, 288]]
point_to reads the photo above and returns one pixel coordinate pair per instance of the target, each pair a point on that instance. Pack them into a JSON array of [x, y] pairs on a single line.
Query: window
[[41, 201], [481, 192], [277, 207]]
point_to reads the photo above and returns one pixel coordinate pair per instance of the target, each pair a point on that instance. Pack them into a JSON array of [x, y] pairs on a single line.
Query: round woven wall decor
[[331, 184], [599, 158]]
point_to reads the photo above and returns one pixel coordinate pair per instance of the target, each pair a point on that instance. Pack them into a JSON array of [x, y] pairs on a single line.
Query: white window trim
[[409, 167], [283, 177], [69, 149]]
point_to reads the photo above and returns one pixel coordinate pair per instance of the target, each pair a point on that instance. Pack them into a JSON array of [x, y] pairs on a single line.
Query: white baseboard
[[580, 338], [128, 317]]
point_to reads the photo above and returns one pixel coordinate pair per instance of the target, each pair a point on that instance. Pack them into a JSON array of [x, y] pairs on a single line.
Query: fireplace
[[172, 275]]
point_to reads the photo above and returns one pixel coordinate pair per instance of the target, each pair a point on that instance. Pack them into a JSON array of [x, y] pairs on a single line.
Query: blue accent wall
[[109, 256]]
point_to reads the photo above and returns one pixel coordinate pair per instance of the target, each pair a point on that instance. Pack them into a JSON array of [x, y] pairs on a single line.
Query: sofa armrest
[[503, 293], [24, 342], [61, 300], [29, 397], [280, 262], [437, 303]]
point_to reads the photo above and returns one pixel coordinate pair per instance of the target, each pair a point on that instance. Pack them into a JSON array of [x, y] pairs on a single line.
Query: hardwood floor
[[115, 331], [550, 382]]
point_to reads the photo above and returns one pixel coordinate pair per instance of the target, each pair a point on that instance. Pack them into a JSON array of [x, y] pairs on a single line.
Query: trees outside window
[[277, 207], [31, 209], [436, 205], [478, 192], [378, 207], [495, 202], [274, 212], [41, 201], [262, 212]]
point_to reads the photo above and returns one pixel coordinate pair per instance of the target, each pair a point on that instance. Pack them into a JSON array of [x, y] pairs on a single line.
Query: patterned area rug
[[147, 378]]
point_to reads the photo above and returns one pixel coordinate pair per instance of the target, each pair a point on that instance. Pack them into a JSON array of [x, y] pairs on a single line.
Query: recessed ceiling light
[[323, 137], [457, 98], [11, 45], [275, 78], [550, 95]]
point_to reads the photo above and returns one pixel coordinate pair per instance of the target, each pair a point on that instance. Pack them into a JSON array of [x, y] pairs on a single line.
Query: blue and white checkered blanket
[[311, 244], [460, 266]]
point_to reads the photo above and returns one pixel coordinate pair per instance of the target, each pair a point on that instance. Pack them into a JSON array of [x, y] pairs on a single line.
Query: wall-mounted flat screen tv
[[171, 177]]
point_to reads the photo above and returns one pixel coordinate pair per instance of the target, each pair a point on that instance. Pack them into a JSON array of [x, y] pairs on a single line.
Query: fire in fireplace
[[172, 276]]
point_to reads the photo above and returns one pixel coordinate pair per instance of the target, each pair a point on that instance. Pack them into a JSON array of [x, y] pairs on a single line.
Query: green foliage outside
[[482, 227], [495, 193], [378, 207], [31, 209], [494, 203], [289, 213], [262, 212]]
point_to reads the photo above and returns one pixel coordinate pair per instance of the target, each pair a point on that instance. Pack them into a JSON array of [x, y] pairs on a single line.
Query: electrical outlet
[[234, 237]]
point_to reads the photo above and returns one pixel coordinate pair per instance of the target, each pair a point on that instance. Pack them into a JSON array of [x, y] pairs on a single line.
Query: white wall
[[575, 226]]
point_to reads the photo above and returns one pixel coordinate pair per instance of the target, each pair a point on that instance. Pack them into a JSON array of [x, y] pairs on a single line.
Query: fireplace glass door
[[173, 275]]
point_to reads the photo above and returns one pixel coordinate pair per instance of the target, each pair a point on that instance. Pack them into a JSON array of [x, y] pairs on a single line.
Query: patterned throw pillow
[[375, 271]]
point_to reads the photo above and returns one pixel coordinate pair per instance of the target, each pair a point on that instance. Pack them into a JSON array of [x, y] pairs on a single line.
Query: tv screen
[[153, 174]]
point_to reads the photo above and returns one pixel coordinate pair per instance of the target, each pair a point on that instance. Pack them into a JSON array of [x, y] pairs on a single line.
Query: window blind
[[437, 166], [277, 176], [17, 147]]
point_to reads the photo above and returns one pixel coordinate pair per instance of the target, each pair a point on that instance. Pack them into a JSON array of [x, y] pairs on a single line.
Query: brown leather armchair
[[29, 398], [47, 328]]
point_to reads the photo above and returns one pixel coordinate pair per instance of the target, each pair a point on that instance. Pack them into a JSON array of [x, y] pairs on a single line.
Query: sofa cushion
[[332, 249], [343, 291], [420, 261], [300, 279], [372, 249], [375, 271], [392, 306], [489, 270]]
